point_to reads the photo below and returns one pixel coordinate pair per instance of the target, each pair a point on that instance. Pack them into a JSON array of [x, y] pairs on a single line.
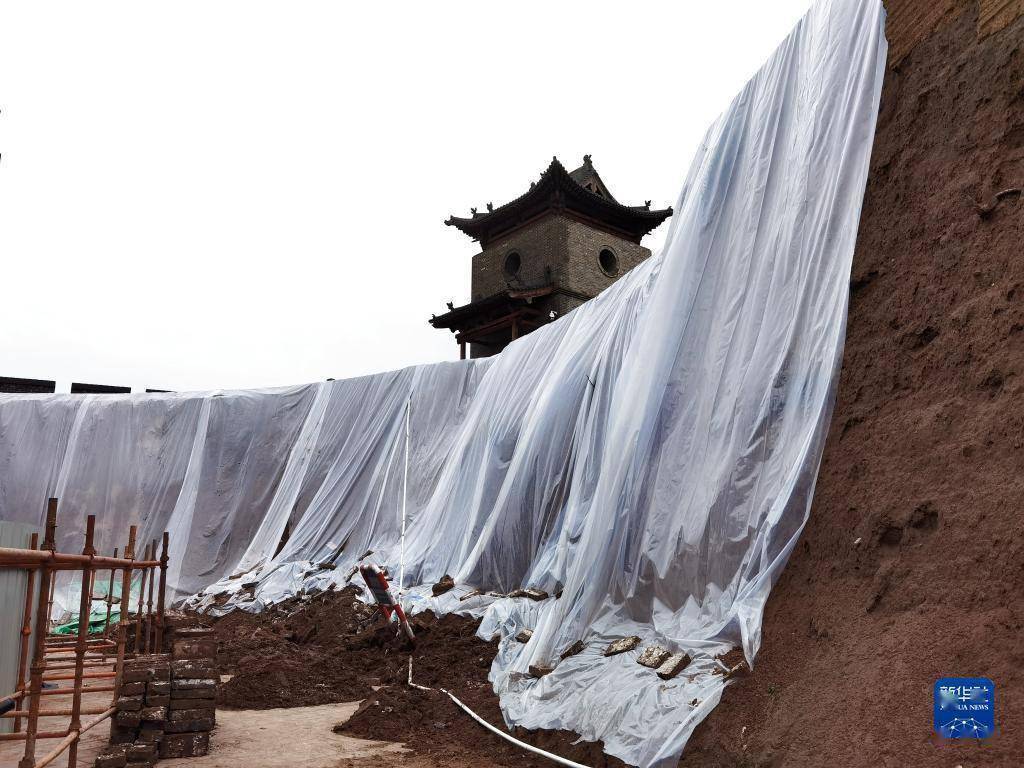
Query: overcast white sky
[[200, 195]]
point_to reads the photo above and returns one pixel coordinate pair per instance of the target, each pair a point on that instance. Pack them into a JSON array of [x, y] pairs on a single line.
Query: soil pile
[[332, 648], [911, 567], [297, 653]]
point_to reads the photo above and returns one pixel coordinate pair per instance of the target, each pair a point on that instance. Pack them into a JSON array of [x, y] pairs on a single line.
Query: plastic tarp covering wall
[[650, 457]]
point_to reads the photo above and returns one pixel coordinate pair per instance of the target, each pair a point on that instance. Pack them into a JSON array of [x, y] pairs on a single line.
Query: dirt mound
[[449, 654], [911, 567], [299, 653], [331, 648]]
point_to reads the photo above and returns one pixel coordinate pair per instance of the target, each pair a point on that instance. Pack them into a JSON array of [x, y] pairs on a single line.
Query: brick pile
[[192, 712], [142, 705], [165, 706]]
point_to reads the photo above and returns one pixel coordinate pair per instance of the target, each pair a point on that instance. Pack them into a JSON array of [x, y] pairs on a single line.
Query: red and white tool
[[381, 591]]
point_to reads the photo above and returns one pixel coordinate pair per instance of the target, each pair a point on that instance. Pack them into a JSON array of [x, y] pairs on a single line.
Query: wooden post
[[84, 611], [122, 622], [161, 595], [42, 625], [146, 556], [110, 600], [462, 350], [26, 635], [149, 598]]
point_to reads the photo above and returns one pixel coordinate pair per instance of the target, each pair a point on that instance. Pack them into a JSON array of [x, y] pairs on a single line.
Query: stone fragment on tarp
[[623, 645], [653, 656], [673, 665], [531, 593], [573, 649], [524, 635], [446, 584]]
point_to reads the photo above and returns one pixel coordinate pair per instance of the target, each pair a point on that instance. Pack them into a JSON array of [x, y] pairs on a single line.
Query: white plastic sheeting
[[650, 456]]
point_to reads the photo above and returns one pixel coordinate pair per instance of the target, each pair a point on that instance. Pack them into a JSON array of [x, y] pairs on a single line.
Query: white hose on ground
[[492, 729]]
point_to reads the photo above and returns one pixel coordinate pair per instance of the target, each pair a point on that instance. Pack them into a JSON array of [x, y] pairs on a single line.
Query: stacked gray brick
[[192, 712], [137, 729], [165, 708]]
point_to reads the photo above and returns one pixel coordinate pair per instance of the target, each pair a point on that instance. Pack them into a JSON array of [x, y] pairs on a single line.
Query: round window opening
[[609, 262], [512, 264]]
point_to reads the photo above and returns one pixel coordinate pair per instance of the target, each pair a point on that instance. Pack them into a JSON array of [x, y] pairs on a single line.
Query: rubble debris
[[531, 593], [739, 670], [673, 665], [539, 670], [623, 645], [573, 649], [327, 566], [524, 635], [446, 584], [653, 656]]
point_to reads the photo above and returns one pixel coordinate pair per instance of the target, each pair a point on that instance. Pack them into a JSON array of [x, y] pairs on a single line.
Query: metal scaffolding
[[62, 667]]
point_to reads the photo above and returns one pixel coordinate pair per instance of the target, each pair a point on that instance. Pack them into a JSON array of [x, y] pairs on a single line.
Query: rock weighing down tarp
[[651, 455]]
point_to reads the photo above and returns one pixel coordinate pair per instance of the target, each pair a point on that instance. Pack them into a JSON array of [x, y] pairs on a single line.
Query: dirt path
[[289, 738]]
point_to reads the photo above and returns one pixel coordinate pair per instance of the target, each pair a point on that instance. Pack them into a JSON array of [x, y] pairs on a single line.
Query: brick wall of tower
[[581, 271], [540, 245], [565, 246]]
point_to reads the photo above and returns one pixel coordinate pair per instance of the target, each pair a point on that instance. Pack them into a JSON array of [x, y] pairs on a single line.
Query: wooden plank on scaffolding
[[12, 604]]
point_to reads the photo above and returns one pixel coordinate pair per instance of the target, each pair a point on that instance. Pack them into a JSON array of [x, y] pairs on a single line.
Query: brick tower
[[546, 252]]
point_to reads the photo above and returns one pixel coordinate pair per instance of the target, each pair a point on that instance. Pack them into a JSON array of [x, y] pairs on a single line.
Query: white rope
[[405, 493], [497, 731]]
